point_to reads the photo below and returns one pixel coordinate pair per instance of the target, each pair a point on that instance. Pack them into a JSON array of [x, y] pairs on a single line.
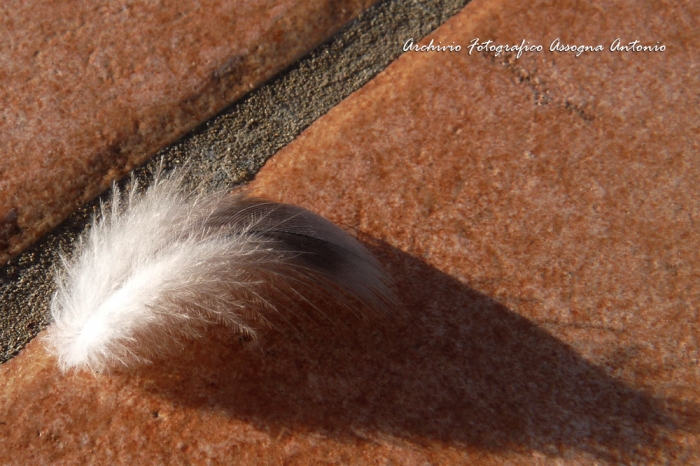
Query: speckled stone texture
[[91, 90], [539, 218]]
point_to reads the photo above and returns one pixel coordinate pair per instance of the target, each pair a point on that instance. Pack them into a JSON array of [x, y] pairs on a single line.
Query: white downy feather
[[162, 264]]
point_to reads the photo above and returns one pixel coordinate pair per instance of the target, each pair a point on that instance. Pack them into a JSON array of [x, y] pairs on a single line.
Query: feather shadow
[[456, 368]]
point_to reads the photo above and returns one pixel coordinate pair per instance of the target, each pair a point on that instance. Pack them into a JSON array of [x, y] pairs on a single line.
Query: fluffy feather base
[[158, 266]]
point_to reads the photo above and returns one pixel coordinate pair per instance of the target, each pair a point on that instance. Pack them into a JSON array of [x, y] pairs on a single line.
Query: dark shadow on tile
[[455, 367]]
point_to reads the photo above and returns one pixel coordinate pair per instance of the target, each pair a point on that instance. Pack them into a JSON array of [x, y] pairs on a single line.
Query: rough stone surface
[[539, 218], [92, 90], [231, 147]]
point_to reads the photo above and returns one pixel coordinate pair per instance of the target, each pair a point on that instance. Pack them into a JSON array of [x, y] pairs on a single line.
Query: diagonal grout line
[[235, 144], [238, 142]]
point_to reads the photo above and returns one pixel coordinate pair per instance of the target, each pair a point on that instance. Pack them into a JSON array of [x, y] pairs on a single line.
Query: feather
[[161, 264]]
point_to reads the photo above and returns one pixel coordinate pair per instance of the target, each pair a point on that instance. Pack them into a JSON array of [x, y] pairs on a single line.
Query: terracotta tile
[[89, 91], [560, 187], [538, 216]]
